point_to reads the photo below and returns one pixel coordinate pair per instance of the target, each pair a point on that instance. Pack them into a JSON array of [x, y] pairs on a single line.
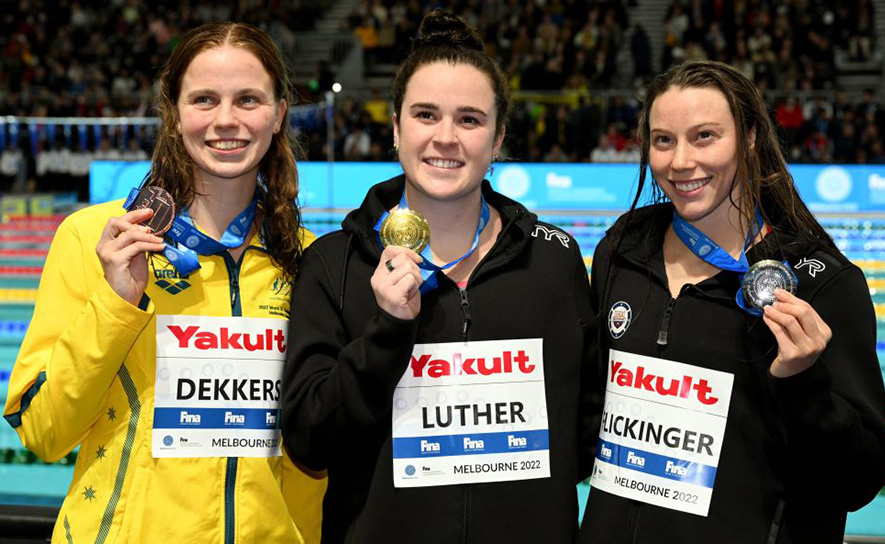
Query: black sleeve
[[335, 388], [834, 412], [593, 369]]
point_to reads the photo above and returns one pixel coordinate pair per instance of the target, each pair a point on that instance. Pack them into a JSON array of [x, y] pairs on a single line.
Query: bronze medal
[[405, 228], [159, 200]]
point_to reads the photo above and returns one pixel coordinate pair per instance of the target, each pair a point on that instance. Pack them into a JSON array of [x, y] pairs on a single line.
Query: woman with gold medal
[[439, 383]]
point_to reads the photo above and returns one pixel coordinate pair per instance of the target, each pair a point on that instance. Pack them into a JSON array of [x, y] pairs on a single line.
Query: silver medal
[[763, 278]]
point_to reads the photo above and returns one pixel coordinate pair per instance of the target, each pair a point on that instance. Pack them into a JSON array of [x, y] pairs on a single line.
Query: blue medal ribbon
[[428, 268], [710, 252], [190, 241]]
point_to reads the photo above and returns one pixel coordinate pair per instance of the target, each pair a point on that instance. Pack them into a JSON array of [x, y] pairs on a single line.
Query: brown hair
[[445, 37], [766, 183], [173, 169]]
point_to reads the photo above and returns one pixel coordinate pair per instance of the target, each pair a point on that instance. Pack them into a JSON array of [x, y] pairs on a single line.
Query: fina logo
[[410, 470], [514, 182], [167, 440], [833, 184]]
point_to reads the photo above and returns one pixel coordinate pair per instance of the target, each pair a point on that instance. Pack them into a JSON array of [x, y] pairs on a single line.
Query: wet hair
[[766, 183], [173, 169], [445, 37]]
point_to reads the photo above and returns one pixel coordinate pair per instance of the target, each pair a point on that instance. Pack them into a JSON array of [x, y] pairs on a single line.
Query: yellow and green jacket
[[85, 376]]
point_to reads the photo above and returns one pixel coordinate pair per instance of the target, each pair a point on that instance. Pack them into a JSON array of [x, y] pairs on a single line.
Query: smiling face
[[693, 154], [445, 131], [227, 114]]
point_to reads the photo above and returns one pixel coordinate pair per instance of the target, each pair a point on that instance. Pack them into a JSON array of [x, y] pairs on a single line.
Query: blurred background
[[76, 125]]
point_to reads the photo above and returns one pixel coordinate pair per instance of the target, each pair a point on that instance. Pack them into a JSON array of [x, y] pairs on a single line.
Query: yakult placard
[[217, 391], [662, 430], [468, 412]]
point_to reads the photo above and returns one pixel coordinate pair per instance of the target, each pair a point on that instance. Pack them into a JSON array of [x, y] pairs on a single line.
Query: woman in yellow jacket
[[161, 358]]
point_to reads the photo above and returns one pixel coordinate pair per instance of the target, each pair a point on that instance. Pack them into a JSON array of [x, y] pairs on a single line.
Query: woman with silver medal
[[446, 323], [744, 401], [138, 338]]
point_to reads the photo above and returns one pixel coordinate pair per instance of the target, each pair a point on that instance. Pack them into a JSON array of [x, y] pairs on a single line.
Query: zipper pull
[[465, 309], [234, 291], [665, 323]]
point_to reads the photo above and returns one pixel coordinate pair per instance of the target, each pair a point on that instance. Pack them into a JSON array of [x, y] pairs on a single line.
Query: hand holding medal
[[397, 279], [768, 287], [126, 239], [801, 333]]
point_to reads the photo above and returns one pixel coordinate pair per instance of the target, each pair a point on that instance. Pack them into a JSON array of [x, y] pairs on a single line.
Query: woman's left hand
[[800, 332]]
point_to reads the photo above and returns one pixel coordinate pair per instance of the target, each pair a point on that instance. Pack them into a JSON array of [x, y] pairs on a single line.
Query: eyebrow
[[250, 90], [693, 127], [434, 107]]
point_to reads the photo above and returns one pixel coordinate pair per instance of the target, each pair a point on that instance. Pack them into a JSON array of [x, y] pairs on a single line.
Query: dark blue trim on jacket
[[15, 419]]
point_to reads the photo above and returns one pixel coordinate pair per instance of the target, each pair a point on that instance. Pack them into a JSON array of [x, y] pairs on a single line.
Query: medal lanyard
[[190, 241], [427, 266], [710, 252]]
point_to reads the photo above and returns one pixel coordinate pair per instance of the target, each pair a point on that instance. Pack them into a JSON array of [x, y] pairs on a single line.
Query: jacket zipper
[[230, 477], [633, 524], [468, 494], [465, 311], [465, 332], [664, 330]]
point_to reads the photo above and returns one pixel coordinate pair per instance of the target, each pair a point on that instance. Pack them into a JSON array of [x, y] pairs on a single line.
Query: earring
[[395, 147]]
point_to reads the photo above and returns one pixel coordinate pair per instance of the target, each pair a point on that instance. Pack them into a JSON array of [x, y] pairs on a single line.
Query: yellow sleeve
[[303, 490], [307, 238], [78, 338]]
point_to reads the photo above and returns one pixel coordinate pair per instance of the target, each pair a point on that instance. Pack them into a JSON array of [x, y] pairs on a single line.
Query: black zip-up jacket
[[799, 452], [346, 357]]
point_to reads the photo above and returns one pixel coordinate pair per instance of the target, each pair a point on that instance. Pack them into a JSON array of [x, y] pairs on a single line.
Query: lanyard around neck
[[709, 251]]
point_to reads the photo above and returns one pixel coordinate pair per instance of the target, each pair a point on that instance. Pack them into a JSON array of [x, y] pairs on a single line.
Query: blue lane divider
[[13, 328]]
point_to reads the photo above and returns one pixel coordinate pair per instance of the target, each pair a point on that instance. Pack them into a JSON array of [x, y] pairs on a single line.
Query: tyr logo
[[549, 233], [814, 266]]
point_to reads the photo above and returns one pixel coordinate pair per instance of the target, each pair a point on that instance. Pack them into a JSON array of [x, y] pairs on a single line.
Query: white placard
[[468, 412], [217, 391], [662, 431]]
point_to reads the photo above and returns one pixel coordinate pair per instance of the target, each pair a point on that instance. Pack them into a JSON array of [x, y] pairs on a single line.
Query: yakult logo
[[223, 338], [685, 386], [507, 363]]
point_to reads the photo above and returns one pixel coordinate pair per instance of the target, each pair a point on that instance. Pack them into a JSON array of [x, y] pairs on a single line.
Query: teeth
[[227, 144], [691, 185], [442, 163]]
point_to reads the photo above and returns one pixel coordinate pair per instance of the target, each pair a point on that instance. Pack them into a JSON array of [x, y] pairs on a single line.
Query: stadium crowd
[[565, 60]]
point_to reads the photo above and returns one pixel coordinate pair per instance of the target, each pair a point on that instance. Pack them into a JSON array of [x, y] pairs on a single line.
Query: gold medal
[[405, 228]]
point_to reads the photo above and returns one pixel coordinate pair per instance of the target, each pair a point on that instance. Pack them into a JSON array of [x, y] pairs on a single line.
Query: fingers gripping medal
[[159, 200], [763, 278], [405, 228]]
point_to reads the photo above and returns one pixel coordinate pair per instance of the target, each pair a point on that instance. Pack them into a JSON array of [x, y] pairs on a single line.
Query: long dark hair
[[766, 183], [173, 169], [445, 37]]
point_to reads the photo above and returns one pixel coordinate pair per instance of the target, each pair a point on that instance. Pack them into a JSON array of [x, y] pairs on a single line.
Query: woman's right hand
[[122, 251], [396, 281]]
